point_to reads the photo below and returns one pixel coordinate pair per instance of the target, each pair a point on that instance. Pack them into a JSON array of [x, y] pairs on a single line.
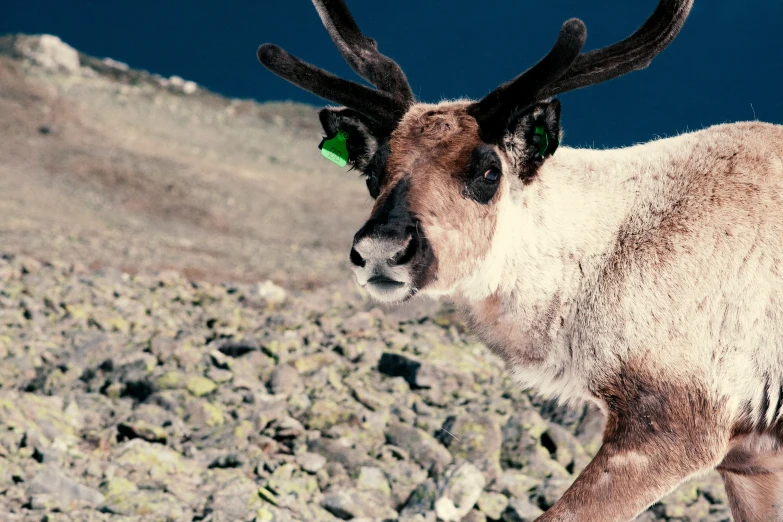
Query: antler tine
[[493, 110], [361, 52], [379, 106], [634, 53]]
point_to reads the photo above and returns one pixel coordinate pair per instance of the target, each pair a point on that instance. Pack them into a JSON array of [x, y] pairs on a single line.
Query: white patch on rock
[[459, 492], [184, 86], [114, 64], [44, 50], [270, 292]]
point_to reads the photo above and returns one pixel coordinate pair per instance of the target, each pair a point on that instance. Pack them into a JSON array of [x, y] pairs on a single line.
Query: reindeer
[[647, 280]]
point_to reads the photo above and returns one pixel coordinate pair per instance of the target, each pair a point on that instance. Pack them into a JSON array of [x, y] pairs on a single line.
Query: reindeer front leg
[[656, 436]]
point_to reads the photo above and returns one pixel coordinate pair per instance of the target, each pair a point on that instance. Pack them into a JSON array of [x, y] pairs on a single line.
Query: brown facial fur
[[432, 147]]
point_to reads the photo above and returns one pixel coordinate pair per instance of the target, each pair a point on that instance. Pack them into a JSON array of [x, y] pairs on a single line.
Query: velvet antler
[[493, 110], [565, 69], [361, 52], [384, 105], [634, 53]]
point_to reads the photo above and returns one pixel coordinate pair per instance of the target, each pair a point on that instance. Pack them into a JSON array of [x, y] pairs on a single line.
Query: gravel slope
[[150, 397], [136, 394]]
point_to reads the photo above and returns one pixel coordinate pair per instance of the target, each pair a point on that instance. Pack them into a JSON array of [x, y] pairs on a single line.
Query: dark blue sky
[[728, 56]]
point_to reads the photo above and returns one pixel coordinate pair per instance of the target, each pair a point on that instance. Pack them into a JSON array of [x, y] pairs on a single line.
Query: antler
[[634, 53], [385, 105], [565, 69], [361, 52], [493, 110]]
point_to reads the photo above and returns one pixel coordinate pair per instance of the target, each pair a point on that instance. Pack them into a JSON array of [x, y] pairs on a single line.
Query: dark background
[[728, 57]]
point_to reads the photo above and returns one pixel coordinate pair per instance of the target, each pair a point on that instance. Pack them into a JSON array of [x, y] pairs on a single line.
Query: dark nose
[[394, 247], [390, 237]]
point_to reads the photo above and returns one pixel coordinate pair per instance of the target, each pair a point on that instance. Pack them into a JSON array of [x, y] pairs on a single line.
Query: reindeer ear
[[532, 135], [361, 139]]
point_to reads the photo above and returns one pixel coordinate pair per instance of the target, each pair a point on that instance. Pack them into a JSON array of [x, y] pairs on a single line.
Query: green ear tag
[[543, 144], [335, 149]]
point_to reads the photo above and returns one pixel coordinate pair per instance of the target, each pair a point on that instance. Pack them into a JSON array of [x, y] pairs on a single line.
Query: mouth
[[386, 289]]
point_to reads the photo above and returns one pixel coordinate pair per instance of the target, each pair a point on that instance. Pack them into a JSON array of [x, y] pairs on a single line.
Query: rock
[[340, 451], [358, 323], [200, 412], [141, 430], [61, 489], [421, 446], [151, 461], [117, 486], [156, 505], [590, 429], [698, 510], [350, 503], [397, 365], [459, 489], [568, 451], [514, 484], [45, 50], [234, 501], [404, 477], [234, 349], [324, 413], [492, 504], [310, 364], [271, 293], [219, 376], [177, 84], [521, 510], [226, 461], [523, 449], [285, 380], [200, 386], [311, 462], [475, 516], [476, 439], [373, 479], [171, 381], [130, 407], [421, 501]]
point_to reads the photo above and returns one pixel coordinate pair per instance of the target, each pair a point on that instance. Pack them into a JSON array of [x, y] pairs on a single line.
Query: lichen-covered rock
[[311, 462], [154, 504], [373, 479], [234, 500], [459, 488], [285, 380], [521, 510], [421, 446], [421, 501], [475, 438], [61, 491], [514, 484], [492, 505], [145, 460], [45, 50], [180, 400], [348, 504], [200, 386]]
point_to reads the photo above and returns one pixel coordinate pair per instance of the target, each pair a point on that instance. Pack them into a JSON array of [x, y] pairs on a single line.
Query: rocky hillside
[[146, 374], [116, 167]]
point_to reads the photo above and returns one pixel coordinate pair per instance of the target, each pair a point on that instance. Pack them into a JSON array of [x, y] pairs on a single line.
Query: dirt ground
[[109, 168]]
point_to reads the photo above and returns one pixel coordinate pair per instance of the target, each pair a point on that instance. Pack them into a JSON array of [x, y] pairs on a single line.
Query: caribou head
[[439, 172]]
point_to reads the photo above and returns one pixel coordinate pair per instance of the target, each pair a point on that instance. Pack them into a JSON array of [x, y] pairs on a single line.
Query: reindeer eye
[[491, 175]]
